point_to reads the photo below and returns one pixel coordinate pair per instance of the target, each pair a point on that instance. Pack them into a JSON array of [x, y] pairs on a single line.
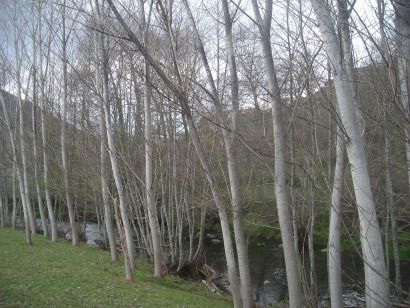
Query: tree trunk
[[377, 287], [24, 171], [113, 155], [230, 143], [67, 188], [149, 191], [124, 246], [35, 154], [109, 225], [36, 178], [334, 253], [14, 213], [292, 269], [50, 209]]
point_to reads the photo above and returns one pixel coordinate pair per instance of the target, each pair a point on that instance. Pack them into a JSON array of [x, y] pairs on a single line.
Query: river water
[[267, 266]]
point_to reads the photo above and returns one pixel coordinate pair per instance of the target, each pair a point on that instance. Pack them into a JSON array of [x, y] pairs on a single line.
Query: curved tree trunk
[[377, 286]]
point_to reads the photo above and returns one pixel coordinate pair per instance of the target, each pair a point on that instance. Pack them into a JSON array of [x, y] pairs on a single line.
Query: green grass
[[48, 274]]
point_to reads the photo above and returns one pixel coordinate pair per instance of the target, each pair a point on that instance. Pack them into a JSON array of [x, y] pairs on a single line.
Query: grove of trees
[[168, 118]]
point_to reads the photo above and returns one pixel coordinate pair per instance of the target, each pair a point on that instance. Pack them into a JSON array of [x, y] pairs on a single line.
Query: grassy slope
[[49, 274]]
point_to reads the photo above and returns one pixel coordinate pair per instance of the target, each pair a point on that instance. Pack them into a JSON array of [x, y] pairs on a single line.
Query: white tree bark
[[14, 213], [108, 218], [42, 99], [18, 59], [113, 156], [230, 143], [292, 268], [377, 286], [69, 200], [34, 126], [334, 253], [149, 191], [36, 176]]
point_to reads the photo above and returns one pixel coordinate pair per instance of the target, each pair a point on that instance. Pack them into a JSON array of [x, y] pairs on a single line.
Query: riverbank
[[48, 274]]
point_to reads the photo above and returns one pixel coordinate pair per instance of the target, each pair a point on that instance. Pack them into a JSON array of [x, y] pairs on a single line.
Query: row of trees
[[175, 113]]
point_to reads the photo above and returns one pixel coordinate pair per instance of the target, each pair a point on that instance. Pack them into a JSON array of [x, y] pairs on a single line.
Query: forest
[[167, 120]]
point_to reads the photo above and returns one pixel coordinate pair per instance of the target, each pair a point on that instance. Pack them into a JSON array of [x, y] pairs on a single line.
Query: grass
[[48, 274]]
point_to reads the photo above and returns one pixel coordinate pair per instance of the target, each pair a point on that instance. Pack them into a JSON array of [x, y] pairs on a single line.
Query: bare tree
[[187, 115]]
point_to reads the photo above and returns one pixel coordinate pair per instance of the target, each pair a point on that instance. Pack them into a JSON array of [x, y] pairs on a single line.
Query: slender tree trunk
[[334, 252], [228, 246], [50, 209], [124, 246], [24, 171], [14, 213], [113, 155], [2, 211], [377, 287], [149, 191], [109, 225], [292, 269], [35, 153], [36, 177], [230, 143], [69, 199]]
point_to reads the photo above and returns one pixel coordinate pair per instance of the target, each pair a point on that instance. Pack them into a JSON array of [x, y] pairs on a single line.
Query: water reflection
[[268, 274]]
